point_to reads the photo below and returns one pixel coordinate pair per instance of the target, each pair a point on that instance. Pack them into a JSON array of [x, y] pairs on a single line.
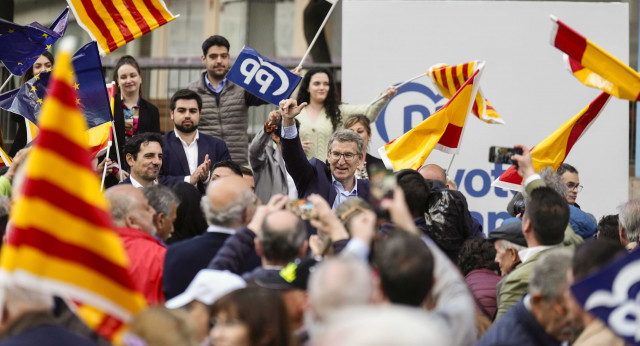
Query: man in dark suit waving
[[335, 182], [187, 153]]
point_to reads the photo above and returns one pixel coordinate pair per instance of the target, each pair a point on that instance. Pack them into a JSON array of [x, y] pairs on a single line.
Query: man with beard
[[189, 154], [225, 114]]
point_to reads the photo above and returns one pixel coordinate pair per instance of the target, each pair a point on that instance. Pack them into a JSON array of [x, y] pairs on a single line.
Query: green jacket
[[516, 283]]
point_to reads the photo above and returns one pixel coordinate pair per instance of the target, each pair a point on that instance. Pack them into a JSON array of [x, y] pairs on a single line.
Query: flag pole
[[104, 170], [326, 18], [400, 86], [115, 139], [450, 163], [6, 82]]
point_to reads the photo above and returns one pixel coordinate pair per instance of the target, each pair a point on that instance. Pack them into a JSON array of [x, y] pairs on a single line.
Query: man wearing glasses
[[345, 152], [583, 224], [571, 178]]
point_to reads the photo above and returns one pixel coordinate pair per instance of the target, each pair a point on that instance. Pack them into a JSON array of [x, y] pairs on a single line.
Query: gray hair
[[17, 298], [346, 135], [121, 205], [629, 219], [340, 282], [506, 245], [554, 181], [282, 245], [161, 198], [230, 214], [550, 273]]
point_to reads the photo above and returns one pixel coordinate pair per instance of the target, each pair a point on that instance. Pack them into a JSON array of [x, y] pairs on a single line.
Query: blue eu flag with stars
[[90, 88], [21, 45]]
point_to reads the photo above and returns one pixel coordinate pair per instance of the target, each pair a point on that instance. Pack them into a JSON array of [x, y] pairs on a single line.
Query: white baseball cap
[[206, 287]]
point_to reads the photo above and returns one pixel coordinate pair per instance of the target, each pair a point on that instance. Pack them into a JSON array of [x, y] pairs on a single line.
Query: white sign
[[524, 79]]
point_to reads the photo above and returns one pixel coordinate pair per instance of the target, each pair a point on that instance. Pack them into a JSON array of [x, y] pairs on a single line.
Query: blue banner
[[263, 77], [613, 295], [21, 46], [90, 87]]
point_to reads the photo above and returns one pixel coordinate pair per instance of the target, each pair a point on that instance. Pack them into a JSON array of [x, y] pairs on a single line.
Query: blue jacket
[[47, 334], [517, 327], [174, 160], [582, 223]]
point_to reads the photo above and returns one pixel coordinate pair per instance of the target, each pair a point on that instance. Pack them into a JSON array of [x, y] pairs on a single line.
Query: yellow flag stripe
[[84, 20], [103, 241], [41, 264]]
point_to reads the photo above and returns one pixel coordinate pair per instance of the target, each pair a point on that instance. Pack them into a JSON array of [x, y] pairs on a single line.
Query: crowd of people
[[283, 241]]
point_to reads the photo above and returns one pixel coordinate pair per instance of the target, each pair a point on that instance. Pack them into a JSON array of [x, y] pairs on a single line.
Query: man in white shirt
[[189, 154]]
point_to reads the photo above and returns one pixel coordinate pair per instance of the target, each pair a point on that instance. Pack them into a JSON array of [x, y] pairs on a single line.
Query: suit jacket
[[148, 121], [268, 167], [185, 258], [313, 176], [174, 159]]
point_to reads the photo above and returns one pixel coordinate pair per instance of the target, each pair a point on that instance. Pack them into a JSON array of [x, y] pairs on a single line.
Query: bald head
[[228, 202], [433, 172], [130, 208], [283, 237]]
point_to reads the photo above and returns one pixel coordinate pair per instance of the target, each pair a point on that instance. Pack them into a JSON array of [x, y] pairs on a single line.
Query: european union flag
[[613, 295], [20, 46], [90, 88]]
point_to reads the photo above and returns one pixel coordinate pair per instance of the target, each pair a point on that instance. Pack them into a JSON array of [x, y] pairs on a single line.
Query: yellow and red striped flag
[[449, 80], [552, 151], [113, 23], [442, 130], [594, 66], [61, 239]]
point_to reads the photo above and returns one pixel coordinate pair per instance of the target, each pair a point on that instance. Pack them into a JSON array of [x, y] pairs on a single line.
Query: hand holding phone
[[503, 154]]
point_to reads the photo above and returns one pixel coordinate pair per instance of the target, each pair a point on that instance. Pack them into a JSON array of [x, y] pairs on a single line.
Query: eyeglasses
[[334, 155], [572, 186]]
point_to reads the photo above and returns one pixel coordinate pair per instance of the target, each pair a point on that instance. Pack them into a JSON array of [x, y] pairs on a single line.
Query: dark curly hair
[[477, 253], [331, 103]]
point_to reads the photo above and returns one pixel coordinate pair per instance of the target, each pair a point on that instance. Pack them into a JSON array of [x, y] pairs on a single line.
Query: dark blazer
[[148, 121], [313, 176], [174, 160], [185, 258]]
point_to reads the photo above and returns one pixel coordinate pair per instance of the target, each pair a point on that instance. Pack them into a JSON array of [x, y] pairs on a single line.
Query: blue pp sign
[[262, 77]]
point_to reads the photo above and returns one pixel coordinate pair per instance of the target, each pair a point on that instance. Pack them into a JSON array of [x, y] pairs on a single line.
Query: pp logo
[[413, 103], [251, 69]]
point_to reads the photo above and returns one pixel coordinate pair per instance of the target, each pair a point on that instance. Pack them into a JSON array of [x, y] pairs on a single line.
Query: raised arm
[[371, 110]]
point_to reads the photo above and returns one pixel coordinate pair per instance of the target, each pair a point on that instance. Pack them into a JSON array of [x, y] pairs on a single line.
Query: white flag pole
[[115, 139], [450, 163], [326, 18], [399, 86], [104, 170], [6, 82]]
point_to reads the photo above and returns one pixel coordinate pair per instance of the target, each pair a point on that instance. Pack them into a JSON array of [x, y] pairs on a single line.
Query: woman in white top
[[324, 113]]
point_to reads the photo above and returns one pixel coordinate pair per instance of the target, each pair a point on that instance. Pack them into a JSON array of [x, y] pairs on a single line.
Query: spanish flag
[[449, 79], [442, 130], [113, 23], [593, 66], [553, 150], [61, 240]]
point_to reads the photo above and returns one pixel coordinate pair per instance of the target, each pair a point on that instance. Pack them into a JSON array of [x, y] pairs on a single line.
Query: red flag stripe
[[570, 41], [575, 65], [52, 246], [443, 75], [465, 71], [91, 12], [46, 191], [62, 146], [578, 128], [62, 92], [451, 136], [142, 24], [108, 326], [154, 12], [117, 18], [454, 76]]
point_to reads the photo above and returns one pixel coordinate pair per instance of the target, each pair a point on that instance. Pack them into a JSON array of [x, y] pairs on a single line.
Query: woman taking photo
[[132, 114], [324, 114]]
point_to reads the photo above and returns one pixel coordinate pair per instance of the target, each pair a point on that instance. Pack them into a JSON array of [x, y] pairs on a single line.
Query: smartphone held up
[[503, 154]]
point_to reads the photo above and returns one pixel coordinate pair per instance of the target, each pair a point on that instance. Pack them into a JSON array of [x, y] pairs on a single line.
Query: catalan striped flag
[[449, 79], [594, 66], [553, 150], [442, 130], [61, 240], [113, 23]]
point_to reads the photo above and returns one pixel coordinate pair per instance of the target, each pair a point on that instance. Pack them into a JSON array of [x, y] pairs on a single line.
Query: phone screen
[[503, 154]]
